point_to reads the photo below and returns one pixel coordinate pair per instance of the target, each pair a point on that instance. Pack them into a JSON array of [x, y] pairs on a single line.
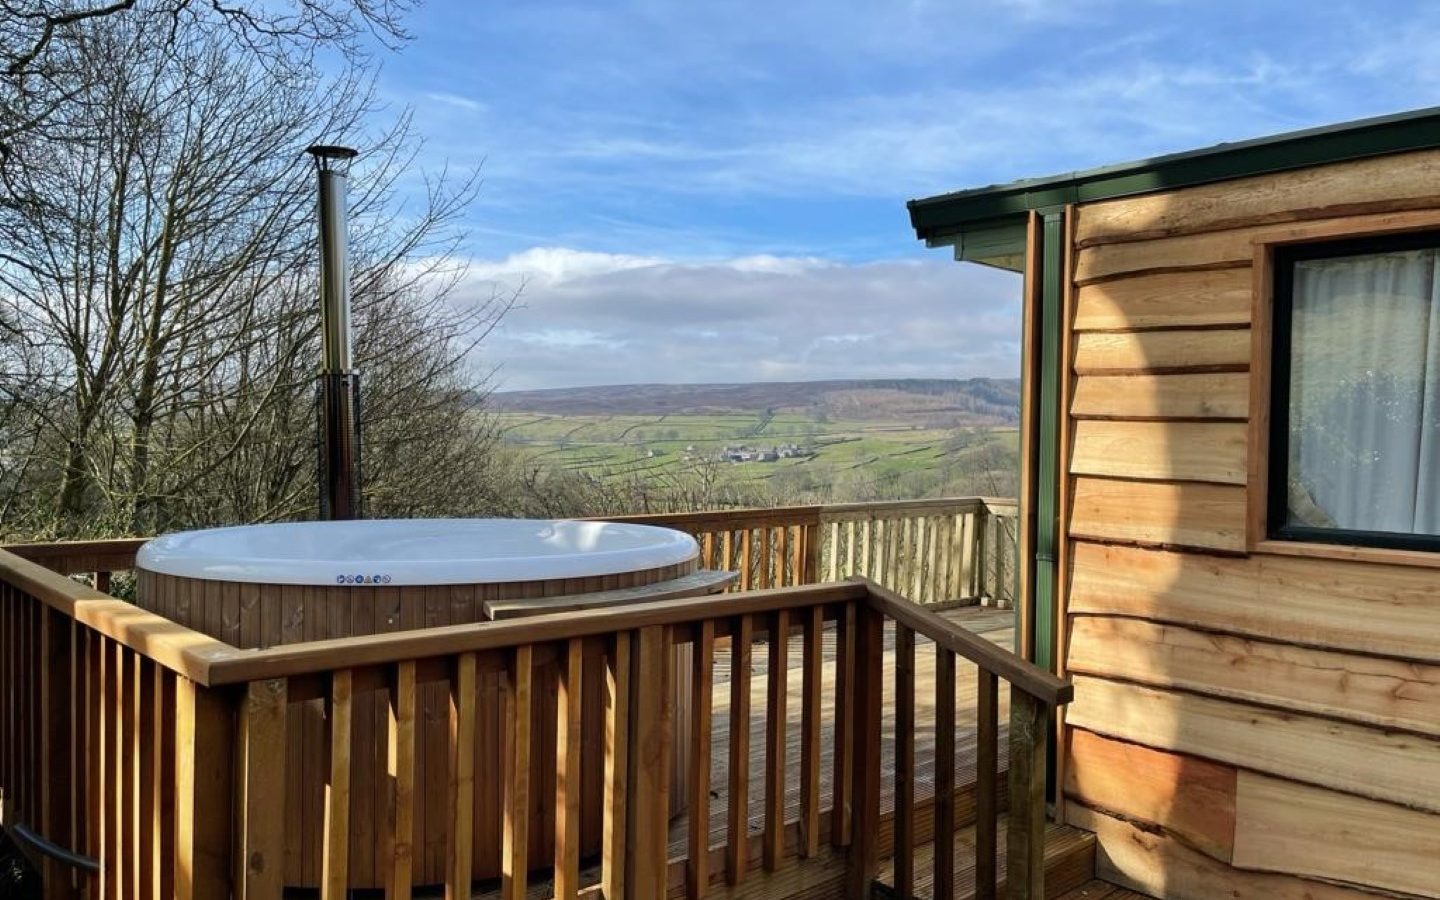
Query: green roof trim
[[936, 217]]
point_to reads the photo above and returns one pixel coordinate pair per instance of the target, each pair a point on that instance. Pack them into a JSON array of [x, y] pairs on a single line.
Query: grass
[[621, 446]]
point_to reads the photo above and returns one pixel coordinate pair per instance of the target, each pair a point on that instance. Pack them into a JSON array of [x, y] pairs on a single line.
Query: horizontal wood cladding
[[1365, 689], [1401, 181], [1130, 352], [1360, 607], [1390, 766], [1155, 863], [1218, 251], [1175, 300], [1281, 826], [1194, 798], [1160, 451], [1160, 513], [1190, 255], [1223, 395]]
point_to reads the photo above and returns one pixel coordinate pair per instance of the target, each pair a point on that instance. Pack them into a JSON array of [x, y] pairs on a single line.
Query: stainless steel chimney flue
[[339, 383]]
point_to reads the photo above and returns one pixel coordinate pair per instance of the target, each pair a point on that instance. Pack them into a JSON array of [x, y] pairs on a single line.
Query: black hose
[[54, 851]]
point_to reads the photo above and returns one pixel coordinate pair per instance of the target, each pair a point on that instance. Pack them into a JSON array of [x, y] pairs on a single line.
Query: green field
[[852, 459]]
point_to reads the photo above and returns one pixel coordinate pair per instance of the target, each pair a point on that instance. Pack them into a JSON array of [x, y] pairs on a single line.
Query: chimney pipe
[[339, 383]]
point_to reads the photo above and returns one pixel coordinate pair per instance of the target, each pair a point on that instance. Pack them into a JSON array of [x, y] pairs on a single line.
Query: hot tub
[[265, 585]]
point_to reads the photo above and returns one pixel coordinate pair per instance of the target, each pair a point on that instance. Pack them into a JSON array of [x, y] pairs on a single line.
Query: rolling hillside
[[927, 402]]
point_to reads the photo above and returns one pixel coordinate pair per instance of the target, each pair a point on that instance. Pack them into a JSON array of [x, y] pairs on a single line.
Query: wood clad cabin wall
[[1246, 723]]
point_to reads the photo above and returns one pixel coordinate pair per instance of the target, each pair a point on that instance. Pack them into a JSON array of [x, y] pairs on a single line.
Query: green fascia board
[[933, 218]]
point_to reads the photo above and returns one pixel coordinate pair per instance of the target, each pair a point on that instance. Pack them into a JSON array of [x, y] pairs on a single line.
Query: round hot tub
[[259, 586]]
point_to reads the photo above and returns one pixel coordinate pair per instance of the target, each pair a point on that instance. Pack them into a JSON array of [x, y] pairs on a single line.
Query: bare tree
[[162, 271], [44, 75]]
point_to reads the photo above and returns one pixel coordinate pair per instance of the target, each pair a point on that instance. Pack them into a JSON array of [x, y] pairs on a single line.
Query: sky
[[693, 192]]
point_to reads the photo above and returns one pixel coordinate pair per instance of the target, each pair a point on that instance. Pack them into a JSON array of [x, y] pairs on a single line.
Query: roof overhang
[[948, 219]]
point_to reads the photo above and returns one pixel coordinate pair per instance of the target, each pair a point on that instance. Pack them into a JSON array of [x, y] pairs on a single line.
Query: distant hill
[[974, 401]]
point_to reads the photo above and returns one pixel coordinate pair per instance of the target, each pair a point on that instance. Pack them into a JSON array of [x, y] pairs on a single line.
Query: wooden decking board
[[1069, 863]]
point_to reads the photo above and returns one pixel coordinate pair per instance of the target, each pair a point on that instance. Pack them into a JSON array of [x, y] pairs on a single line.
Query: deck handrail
[[178, 648], [312, 657], [1039, 683]]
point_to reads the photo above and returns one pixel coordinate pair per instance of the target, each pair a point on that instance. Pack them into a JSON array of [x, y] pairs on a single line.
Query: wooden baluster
[[737, 846], [149, 772], [977, 538], [114, 750], [335, 849], [94, 811], [1025, 840], [849, 548], [944, 774], [515, 861], [204, 742], [400, 768], [904, 761], [58, 745], [810, 724], [867, 550], [162, 752], [767, 559], [776, 709], [869, 676], [943, 559], [782, 556], [102, 582], [834, 552], [617, 769], [924, 558], [697, 871], [707, 557], [986, 757], [460, 836], [568, 709], [134, 704], [883, 538], [7, 693], [842, 780], [261, 772], [727, 551], [651, 708], [747, 560]]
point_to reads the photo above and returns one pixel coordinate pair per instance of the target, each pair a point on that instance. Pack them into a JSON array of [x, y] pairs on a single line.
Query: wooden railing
[[934, 552], [161, 753]]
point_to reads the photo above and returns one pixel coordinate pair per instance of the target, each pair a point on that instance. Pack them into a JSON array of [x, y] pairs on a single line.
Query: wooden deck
[[996, 625]]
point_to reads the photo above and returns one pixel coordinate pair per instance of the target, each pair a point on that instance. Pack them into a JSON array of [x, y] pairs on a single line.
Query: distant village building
[[744, 453]]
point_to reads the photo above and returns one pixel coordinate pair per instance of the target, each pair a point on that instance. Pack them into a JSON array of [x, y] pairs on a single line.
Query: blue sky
[[715, 191]]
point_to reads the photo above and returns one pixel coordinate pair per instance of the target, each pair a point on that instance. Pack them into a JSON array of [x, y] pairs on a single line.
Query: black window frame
[[1283, 263]]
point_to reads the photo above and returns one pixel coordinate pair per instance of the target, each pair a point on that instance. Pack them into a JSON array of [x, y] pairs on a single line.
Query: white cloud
[[549, 266], [469, 104], [612, 320]]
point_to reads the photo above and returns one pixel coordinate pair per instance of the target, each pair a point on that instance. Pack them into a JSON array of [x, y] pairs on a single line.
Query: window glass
[[1363, 416]]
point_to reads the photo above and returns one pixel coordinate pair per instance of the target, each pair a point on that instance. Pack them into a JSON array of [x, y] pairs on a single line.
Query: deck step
[[1069, 864]]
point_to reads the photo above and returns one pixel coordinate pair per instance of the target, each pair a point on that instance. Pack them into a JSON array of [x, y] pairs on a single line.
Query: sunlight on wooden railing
[[932, 551], [162, 753]]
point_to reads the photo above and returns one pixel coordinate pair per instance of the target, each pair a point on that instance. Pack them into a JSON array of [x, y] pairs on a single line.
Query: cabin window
[[1355, 417]]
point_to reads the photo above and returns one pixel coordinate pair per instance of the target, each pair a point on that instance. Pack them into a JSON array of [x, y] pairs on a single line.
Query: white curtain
[[1365, 393]]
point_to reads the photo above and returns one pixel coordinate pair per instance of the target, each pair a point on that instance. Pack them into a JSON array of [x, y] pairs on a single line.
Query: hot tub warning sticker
[[362, 579]]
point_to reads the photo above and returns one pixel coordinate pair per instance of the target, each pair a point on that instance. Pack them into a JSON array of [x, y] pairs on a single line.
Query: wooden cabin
[[1231, 539]]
